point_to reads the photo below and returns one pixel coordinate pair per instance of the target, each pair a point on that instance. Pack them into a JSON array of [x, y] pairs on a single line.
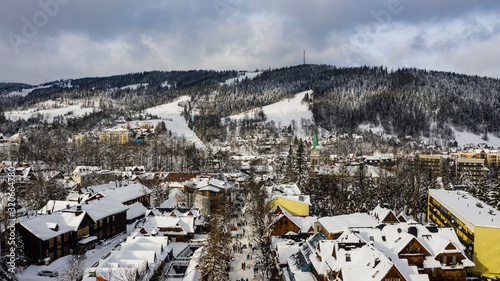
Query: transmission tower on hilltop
[[304, 61]]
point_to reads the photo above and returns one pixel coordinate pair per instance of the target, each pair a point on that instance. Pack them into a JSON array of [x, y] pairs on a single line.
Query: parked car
[[48, 273]]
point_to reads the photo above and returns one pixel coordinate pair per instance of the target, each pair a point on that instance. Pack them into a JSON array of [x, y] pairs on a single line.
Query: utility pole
[[304, 61]]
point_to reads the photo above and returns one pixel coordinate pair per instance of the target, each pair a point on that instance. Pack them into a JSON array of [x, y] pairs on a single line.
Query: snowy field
[[283, 112], [49, 109], [249, 75], [134, 86], [170, 113], [25, 92], [462, 138]]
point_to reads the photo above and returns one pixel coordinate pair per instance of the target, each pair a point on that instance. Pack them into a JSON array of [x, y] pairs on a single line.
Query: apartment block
[[473, 168], [477, 225]]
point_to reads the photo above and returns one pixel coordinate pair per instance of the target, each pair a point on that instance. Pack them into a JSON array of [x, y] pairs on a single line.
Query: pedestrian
[[248, 256], [243, 265]]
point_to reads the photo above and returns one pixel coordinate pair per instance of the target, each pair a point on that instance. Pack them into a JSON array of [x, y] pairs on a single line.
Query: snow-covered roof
[[471, 211], [170, 203], [183, 225], [381, 213], [101, 208], [193, 272], [56, 205], [134, 254], [340, 223], [212, 184], [284, 249], [123, 193], [136, 210], [368, 253], [49, 226], [303, 223], [392, 239], [85, 170]]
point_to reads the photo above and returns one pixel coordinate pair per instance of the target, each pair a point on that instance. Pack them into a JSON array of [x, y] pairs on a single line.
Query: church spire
[[315, 139]]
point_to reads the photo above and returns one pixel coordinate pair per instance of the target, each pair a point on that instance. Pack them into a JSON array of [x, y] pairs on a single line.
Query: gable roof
[[382, 213], [100, 209], [49, 226], [340, 223], [303, 223]]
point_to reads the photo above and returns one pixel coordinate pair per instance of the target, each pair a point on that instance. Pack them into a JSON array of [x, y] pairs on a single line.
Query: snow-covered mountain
[[435, 107]]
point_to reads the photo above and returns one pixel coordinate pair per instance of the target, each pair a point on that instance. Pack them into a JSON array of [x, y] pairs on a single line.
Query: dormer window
[[53, 226]]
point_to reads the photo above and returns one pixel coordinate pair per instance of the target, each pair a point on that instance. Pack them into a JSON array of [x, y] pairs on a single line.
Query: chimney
[[78, 209]]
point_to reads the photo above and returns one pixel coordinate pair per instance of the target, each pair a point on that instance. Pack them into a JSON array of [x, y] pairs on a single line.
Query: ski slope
[[284, 112], [170, 113], [249, 75], [50, 109]]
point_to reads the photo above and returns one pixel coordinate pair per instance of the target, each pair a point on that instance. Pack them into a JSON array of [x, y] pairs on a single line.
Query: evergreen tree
[[494, 196], [217, 254], [290, 175], [257, 211], [300, 167]]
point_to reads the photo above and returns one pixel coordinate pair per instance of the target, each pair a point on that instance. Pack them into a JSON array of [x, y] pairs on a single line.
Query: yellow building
[[296, 205], [491, 157], [115, 136], [476, 224]]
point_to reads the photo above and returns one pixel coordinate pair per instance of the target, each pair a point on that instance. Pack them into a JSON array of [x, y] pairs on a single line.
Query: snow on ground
[[249, 75], [48, 110], [25, 92], [464, 138], [134, 86], [61, 264], [170, 113], [31, 273], [166, 84], [283, 112], [378, 130]]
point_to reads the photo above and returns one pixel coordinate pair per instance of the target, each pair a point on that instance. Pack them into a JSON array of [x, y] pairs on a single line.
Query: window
[[66, 237], [347, 257], [51, 242], [100, 223], [59, 239], [113, 217]]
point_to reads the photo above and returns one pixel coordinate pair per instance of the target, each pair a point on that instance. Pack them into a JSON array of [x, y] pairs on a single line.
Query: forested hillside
[[419, 103]]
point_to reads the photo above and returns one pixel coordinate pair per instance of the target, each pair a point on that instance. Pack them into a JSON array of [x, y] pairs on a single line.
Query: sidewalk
[[237, 272]]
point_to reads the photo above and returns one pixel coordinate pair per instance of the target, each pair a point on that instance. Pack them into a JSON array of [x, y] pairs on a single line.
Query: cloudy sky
[[46, 40]]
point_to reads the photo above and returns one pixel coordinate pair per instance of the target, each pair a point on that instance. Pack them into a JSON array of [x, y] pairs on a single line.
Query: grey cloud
[[94, 37]]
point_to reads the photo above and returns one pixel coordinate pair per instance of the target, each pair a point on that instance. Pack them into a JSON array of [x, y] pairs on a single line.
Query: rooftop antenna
[[304, 61]]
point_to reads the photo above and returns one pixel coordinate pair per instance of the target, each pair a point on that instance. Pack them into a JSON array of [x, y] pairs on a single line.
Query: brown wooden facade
[[37, 249], [64, 244]]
